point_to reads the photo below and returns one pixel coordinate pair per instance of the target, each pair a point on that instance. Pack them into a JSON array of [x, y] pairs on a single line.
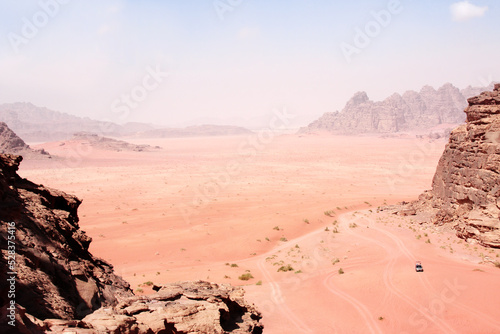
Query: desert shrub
[[245, 277], [329, 213], [341, 271], [285, 268]]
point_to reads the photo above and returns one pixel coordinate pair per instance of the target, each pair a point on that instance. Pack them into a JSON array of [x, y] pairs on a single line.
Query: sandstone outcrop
[[183, 307], [108, 144], [412, 111], [60, 287], [56, 276], [10, 142], [466, 187]]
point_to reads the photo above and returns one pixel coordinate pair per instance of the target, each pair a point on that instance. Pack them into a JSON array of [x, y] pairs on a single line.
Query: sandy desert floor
[[220, 207]]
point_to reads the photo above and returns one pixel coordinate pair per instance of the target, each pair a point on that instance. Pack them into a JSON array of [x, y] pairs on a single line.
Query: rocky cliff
[[10, 142], [411, 111], [50, 282], [56, 276], [466, 187]]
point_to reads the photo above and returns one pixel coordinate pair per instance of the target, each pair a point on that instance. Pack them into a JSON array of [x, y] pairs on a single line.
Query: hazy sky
[[234, 61]]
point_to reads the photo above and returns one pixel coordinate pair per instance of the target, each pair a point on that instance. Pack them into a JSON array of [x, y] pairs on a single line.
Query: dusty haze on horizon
[[233, 62]]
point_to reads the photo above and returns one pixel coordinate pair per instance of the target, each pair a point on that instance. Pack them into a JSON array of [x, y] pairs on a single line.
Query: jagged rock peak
[[358, 98]]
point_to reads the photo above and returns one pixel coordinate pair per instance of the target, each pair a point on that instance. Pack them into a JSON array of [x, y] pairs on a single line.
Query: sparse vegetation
[[497, 264], [353, 225], [139, 290], [329, 213], [283, 239], [327, 229], [306, 221], [148, 283], [380, 318], [258, 283], [285, 268], [245, 277], [428, 241], [341, 271], [277, 228], [335, 260], [234, 265]]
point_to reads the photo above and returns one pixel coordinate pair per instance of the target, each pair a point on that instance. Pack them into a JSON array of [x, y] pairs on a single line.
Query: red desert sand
[[297, 214]]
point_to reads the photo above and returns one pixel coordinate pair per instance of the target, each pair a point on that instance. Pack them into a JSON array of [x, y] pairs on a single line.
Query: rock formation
[[466, 187], [56, 276], [108, 144], [408, 112], [12, 143], [184, 307], [40, 124], [58, 283]]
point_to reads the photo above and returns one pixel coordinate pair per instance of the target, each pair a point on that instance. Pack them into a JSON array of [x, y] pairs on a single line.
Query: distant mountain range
[[38, 124], [412, 111]]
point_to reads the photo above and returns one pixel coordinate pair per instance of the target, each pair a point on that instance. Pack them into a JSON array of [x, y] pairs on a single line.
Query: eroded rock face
[[61, 288], [56, 275], [410, 111], [466, 186], [184, 307]]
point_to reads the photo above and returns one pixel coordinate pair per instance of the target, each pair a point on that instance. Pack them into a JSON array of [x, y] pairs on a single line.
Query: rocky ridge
[[412, 111], [10, 142], [108, 144], [40, 124], [61, 287], [466, 187], [183, 307]]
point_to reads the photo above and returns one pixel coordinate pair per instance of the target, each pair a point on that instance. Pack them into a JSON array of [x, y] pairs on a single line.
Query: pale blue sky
[[235, 66]]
